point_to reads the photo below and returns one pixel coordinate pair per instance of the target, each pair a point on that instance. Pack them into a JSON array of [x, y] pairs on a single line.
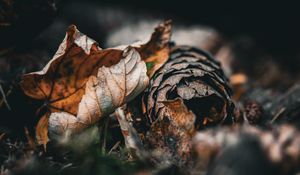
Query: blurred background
[[274, 25], [257, 30]]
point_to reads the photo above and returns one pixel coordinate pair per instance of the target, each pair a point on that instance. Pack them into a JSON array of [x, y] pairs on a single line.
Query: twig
[[132, 140], [66, 166], [278, 115], [114, 147], [4, 98]]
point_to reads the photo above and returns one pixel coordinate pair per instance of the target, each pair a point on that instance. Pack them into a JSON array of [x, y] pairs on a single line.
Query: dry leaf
[[171, 134], [180, 114], [83, 83], [156, 51], [42, 131], [111, 88]]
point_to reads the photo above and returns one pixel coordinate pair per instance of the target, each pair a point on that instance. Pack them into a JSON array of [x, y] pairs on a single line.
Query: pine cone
[[197, 78], [189, 92]]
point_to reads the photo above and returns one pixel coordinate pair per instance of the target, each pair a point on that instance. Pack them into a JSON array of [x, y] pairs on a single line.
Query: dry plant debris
[[83, 83]]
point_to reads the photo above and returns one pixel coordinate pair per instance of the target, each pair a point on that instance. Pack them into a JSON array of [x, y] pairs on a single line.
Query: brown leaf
[[156, 51], [111, 88], [83, 82], [42, 131], [171, 134], [180, 114]]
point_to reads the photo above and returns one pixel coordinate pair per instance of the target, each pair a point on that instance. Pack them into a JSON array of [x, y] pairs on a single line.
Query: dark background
[[274, 25]]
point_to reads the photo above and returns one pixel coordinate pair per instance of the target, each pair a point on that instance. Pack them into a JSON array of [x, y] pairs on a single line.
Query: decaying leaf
[[42, 130], [83, 82], [170, 136], [180, 114], [156, 52], [197, 78], [111, 88]]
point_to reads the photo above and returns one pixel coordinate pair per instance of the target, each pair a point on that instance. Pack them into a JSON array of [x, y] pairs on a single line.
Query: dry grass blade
[[114, 147], [4, 100]]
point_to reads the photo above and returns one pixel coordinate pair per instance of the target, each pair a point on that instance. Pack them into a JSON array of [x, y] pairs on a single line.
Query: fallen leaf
[[42, 131], [180, 114], [156, 52], [109, 89], [171, 134], [83, 82]]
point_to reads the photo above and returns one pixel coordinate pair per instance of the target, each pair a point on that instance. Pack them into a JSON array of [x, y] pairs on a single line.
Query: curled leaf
[[111, 88], [83, 82], [156, 51]]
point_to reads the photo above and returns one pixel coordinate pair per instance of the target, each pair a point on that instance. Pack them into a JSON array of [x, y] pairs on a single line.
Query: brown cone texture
[[196, 77], [189, 93]]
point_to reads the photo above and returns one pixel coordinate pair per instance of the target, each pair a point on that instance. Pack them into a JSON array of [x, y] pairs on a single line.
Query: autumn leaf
[[156, 51], [180, 114], [83, 82], [42, 130], [172, 132]]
